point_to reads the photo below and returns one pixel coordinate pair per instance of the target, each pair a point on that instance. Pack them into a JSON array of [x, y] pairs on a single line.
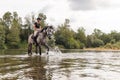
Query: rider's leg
[[35, 37]]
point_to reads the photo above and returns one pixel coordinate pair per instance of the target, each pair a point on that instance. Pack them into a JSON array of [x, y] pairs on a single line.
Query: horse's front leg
[[30, 49], [39, 49], [47, 47], [36, 49]]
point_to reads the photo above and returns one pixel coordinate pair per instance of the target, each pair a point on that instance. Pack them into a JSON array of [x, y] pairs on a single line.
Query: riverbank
[[100, 49], [24, 51]]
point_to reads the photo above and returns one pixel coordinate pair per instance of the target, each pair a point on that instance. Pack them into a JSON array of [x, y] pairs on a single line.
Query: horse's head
[[50, 30]]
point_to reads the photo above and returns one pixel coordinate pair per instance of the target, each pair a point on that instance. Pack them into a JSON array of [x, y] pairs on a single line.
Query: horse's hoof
[[47, 52], [29, 54]]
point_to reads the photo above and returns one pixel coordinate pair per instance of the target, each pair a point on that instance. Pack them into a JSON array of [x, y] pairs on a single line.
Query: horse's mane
[[46, 28]]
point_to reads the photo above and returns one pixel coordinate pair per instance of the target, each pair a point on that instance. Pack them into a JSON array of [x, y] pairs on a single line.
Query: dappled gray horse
[[47, 31]]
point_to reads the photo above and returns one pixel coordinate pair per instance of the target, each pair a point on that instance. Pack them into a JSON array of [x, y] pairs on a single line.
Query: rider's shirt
[[37, 26]]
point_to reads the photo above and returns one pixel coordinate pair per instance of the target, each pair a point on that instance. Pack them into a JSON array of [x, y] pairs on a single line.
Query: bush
[[112, 46], [82, 45], [108, 46], [2, 46], [97, 43], [73, 44], [51, 43], [112, 41], [13, 45]]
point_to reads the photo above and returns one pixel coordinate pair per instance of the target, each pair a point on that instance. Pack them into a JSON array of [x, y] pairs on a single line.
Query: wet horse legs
[[30, 49], [40, 49], [47, 47]]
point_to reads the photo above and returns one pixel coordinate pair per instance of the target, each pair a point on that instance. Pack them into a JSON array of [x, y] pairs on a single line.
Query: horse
[[47, 31]]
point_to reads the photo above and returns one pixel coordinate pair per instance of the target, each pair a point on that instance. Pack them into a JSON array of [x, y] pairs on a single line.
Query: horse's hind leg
[[30, 49]]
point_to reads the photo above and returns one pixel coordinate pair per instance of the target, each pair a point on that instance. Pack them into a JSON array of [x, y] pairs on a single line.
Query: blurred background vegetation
[[14, 34]]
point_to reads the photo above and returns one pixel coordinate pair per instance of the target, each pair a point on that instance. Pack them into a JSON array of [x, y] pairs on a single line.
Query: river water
[[65, 66]]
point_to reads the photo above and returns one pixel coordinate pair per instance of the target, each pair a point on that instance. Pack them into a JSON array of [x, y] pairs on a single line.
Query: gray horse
[[47, 31]]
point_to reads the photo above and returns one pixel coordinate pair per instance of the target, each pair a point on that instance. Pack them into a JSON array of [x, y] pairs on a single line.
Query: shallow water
[[65, 66]]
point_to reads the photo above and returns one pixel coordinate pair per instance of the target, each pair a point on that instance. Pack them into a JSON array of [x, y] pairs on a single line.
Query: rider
[[37, 27]]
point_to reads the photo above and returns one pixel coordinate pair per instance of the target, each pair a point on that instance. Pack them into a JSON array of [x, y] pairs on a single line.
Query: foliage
[[14, 34], [65, 36], [41, 15], [97, 43], [7, 18], [73, 44], [112, 41], [62, 36], [112, 46], [7, 21], [90, 40], [115, 35], [106, 38], [80, 35], [2, 37], [97, 33], [51, 42]]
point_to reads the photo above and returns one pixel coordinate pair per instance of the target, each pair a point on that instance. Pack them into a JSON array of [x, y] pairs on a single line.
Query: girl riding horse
[[42, 35]]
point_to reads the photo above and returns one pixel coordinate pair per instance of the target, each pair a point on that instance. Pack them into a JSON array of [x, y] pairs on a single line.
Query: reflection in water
[[38, 71], [66, 66]]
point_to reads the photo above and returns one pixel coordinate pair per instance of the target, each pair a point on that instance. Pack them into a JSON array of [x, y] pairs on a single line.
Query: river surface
[[57, 66]]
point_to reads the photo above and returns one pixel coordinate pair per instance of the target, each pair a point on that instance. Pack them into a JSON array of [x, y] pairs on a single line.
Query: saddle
[[35, 37]]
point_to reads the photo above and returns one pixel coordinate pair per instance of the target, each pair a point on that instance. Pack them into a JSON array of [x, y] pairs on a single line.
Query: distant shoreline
[[101, 49], [71, 50], [92, 50]]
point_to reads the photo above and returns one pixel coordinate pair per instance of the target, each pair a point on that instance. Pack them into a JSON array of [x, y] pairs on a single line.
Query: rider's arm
[[34, 27], [40, 28]]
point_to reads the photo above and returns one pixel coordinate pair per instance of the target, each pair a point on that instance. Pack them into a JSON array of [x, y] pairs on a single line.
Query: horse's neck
[[44, 34]]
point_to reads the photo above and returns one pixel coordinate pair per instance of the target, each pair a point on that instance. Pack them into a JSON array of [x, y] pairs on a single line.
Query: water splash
[[55, 51]]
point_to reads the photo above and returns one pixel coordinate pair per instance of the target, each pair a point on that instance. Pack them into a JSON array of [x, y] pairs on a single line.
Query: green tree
[[94, 40], [81, 35], [65, 36], [14, 35], [97, 33], [28, 25], [43, 16], [2, 37], [89, 41], [106, 38], [7, 18], [51, 42], [74, 44], [115, 35], [97, 43], [7, 22]]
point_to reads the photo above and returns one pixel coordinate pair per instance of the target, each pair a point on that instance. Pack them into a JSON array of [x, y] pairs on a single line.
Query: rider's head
[[39, 19]]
